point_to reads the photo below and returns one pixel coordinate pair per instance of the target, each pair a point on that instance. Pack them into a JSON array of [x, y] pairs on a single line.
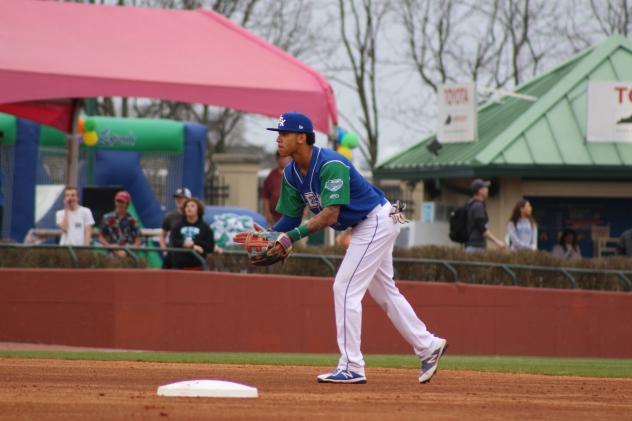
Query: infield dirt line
[[60, 389]]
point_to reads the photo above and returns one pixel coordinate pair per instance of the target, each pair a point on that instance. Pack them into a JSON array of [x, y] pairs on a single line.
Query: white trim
[[335, 160], [311, 178], [296, 172], [503, 92]]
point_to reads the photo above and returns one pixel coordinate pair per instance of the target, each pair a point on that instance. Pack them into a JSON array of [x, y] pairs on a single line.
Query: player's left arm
[[324, 218]]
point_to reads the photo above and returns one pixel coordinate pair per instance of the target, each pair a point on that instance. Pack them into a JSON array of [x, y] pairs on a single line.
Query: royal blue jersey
[[331, 179]]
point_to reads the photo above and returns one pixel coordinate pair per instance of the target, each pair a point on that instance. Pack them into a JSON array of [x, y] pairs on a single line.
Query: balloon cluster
[[88, 128], [346, 142]]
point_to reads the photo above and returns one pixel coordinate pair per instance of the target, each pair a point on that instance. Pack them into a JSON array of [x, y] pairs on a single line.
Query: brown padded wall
[[196, 311]]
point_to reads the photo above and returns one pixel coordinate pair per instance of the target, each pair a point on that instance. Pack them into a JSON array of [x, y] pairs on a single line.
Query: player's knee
[[342, 277]]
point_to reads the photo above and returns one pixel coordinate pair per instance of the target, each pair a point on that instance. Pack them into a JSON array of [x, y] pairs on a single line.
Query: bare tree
[[496, 42], [519, 19], [360, 26], [422, 19], [613, 16], [588, 21]]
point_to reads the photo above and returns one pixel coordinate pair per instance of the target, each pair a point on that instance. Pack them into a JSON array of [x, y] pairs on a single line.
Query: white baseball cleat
[[429, 364]]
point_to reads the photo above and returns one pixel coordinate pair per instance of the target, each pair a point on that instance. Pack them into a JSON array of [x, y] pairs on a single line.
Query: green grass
[[586, 367]]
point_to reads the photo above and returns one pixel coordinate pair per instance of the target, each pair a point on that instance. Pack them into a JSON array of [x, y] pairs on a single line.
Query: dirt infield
[[79, 390]]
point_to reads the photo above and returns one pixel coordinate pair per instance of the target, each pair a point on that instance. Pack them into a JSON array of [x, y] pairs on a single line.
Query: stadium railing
[[132, 251], [459, 271]]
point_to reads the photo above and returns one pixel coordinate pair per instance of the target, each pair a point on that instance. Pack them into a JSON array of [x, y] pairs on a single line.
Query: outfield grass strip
[[585, 367]]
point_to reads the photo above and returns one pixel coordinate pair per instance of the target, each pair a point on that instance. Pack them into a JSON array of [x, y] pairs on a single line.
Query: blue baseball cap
[[293, 122]]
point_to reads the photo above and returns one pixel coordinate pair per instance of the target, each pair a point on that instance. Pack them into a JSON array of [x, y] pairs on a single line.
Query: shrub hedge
[[482, 268], [60, 258]]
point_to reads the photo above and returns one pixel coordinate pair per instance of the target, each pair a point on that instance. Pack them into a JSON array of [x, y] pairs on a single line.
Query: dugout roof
[[544, 138], [53, 50]]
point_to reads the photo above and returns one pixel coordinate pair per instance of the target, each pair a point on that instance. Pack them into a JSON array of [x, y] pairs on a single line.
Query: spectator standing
[[74, 220], [522, 230], [272, 190], [624, 247], [192, 233], [478, 220], [567, 247], [172, 219], [119, 228]]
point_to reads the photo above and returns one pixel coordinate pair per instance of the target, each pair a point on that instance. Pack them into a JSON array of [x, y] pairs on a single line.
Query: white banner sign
[[609, 112], [457, 113]]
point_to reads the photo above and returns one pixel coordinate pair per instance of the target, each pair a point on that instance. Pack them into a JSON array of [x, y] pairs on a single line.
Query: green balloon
[[89, 125], [349, 140]]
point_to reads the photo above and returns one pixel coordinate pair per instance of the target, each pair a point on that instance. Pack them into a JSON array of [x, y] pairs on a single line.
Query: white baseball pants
[[368, 264]]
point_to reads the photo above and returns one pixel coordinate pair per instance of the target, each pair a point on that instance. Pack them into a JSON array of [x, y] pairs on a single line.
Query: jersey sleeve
[[88, 219], [290, 202], [335, 184]]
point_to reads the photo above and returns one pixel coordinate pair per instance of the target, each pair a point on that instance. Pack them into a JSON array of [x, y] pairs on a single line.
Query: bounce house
[[147, 157]]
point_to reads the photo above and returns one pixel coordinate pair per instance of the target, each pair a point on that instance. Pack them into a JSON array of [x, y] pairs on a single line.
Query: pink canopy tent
[[52, 50]]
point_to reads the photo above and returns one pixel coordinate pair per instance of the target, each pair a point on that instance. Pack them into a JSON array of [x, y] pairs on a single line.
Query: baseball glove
[[265, 248]]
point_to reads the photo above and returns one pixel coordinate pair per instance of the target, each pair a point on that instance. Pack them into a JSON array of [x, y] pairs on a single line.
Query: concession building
[[563, 140]]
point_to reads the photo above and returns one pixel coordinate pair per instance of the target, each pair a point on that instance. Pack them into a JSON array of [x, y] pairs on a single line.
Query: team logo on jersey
[[313, 200], [334, 185]]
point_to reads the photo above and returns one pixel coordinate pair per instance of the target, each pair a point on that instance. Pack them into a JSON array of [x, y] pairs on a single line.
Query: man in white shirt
[[74, 220]]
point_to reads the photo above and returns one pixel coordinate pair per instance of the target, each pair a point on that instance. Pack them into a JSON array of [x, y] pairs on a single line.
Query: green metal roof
[[542, 138]]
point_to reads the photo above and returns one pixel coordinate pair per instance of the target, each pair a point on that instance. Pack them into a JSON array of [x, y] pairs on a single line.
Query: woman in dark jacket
[[192, 233]]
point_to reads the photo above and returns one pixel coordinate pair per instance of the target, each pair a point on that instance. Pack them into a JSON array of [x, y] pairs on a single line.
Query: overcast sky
[[398, 87], [407, 106]]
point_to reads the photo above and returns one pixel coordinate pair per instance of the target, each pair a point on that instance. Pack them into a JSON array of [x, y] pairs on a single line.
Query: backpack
[[458, 224]]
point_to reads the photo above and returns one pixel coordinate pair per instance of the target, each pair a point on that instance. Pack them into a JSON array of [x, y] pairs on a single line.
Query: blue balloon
[[341, 133]]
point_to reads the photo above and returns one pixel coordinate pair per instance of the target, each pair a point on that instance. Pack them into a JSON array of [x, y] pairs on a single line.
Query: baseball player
[[341, 198]]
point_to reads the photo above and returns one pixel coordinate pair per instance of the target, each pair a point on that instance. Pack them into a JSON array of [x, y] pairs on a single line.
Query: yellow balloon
[[90, 138], [344, 151]]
